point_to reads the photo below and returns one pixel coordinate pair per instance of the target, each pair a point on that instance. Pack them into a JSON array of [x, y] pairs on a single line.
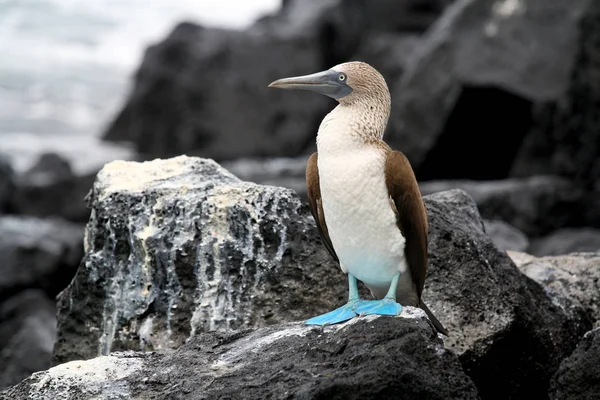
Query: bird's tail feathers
[[437, 324]]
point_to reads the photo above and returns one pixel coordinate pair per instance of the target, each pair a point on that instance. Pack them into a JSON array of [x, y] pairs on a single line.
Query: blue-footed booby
[[364, 196]]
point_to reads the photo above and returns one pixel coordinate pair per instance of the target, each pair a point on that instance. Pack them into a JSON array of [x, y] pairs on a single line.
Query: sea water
[[66, 67]]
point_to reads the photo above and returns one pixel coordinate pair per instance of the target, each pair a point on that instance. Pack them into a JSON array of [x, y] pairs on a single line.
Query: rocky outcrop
[[181, 246], [38, 253], [27, 333], [535, 205], [578, 377], [367, 358], [572, 280], [566, 241], [508, 334]]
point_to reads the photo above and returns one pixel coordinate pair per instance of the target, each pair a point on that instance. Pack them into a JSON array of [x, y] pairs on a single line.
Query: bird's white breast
[[356, 205]]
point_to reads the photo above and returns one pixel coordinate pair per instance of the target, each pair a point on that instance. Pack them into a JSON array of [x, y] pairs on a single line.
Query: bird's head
[[347, 82]]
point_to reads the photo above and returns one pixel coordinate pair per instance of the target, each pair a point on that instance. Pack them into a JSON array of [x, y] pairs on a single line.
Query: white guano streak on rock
[[130, 177], [97, 376], [110, 312], [255, 344], [216, 303]]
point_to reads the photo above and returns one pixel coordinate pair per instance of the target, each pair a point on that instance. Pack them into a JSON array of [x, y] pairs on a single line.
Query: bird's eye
[[341, 77]]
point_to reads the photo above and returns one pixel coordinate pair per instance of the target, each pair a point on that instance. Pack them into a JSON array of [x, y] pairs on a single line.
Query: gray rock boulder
[[203, 91], [505, 236], [181, 246], [52, 188], [535, 205], [578, 377], [566, 241], [38, 253], [507, 332], [367, 358], [482, 61], [27, 333], [572, 280]]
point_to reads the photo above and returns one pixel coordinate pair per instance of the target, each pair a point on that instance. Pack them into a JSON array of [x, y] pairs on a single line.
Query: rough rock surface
[[566, 241], [505, 236], [573, 280], [367, 358], [535, 205], [38, 253], [509, 335], [180, 246], [578, 377], [27, 333]]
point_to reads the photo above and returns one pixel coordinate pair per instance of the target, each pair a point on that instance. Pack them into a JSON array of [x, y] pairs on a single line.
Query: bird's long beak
[[326, 82]]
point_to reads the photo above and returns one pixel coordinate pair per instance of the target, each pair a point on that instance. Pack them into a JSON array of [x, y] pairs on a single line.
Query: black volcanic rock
[[478, 79], [27, 333], [38, 253], [572, 280], [51, 188], [368, 358], [507, 332], [181, 246], [578, 377], [203, 91]]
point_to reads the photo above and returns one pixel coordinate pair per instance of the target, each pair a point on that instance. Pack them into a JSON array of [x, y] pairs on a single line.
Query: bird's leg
[[385, 306], [343, 313]]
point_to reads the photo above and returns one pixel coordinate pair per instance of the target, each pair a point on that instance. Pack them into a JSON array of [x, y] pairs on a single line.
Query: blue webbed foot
[[344, 313], [386, 306]]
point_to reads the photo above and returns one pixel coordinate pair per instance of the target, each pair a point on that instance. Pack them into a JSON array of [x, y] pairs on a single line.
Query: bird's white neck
[[352, 126]]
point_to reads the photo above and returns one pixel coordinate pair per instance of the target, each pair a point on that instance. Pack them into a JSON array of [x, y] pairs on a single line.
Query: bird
[[364, 195]]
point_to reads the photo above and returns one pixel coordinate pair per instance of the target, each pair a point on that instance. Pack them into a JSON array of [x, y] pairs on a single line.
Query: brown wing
[[314, 201], [411, 215]]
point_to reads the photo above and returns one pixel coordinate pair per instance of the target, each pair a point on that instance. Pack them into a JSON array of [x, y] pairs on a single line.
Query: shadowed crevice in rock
[[483, 119]]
